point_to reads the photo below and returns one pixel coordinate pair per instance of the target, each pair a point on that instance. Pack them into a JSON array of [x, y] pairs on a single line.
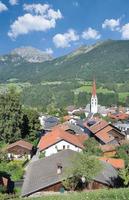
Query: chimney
[[59, 168]]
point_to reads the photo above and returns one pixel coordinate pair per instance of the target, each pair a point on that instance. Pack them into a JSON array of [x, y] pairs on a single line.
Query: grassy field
[[121, 194], [112, 194], [85, 87], [88, 89], [123, 96]]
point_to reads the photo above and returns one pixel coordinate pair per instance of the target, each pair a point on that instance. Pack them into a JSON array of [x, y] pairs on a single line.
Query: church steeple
[[94, 99], [94, 88]]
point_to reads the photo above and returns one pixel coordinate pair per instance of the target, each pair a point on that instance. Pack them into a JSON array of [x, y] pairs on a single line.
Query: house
[[119, 116], [104, 132], [59, 139], [73, 128], [116, 163], [123, 126], [48, 122], [19, 150], [47, 174], [109, 150]]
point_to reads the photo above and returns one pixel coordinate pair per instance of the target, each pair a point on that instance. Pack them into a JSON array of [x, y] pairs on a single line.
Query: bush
[[13, 168]]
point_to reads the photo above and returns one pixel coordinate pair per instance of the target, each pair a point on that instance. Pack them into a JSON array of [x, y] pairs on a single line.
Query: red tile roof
[[57, 134], [21, 143], [82, 137], [116, 163], [119, 116], [104, 136], [98, 126]]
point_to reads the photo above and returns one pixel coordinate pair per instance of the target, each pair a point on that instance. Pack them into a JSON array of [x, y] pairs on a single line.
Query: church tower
[[94, 99]]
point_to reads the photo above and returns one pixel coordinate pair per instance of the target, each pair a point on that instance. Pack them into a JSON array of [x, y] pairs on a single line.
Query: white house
[[59, 139]]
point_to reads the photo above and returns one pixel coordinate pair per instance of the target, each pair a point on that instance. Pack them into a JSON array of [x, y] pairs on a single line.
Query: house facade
[[19, 150], [59, 139], [59, 146]]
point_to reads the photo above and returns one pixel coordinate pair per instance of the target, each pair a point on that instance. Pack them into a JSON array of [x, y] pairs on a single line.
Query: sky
[[61, 26]]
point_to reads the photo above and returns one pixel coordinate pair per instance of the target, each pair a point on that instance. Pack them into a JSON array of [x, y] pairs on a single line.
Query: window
[[67, 146], [63, 146], [59, 168]]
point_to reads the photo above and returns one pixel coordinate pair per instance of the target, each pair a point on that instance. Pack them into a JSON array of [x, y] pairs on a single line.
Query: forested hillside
[[68, 80], [108, 60]]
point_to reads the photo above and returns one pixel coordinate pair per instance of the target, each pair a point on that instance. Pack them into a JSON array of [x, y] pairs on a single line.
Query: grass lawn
[[112, 194], [121, 194]]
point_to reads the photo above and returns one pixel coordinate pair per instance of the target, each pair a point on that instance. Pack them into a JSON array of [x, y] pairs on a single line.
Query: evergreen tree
[[31, 124], [10, 116]]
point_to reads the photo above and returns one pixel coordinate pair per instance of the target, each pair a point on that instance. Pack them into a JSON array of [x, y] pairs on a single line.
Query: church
[[93, 107], [94, 99]]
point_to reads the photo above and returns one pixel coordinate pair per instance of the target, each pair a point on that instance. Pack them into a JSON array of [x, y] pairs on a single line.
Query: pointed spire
[[94, 88]]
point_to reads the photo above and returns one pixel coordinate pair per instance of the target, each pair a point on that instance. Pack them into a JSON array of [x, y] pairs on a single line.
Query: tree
[[31, 124], [124, 175], [10, 116], [123, 153], [91, 147], [83, 169]]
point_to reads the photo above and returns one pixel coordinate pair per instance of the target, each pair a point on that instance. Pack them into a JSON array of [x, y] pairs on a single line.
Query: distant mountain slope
[[31, 54], [108, 61]]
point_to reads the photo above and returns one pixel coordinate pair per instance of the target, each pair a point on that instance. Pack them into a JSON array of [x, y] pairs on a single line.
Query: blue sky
[[60, 26]]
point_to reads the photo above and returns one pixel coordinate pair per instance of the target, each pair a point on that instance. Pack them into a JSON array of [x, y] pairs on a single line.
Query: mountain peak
[[31, 54]]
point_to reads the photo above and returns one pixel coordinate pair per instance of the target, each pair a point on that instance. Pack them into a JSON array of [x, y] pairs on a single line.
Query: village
[[103, 141]]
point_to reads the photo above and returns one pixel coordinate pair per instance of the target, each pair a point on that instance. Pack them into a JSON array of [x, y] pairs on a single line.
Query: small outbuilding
[[19, 150]]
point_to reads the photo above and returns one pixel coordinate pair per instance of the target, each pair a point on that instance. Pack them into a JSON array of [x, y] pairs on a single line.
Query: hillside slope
[[108, 60]]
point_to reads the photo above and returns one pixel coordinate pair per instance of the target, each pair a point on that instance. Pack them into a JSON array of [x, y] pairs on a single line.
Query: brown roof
[[104, 136], [82, 137], [108, 147], [21, 143], [98, 126], [117, 163], [120, 116], [57, 134]]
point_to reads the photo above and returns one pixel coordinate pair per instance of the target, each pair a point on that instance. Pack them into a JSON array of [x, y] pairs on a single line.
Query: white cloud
[[29, 23], [43, 9], [91, 33], [64, 40], [36, 8], [125, 31], [40, 18], [112, 24], [13, 2], [49, 51], [3, 7], [54, 14]]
